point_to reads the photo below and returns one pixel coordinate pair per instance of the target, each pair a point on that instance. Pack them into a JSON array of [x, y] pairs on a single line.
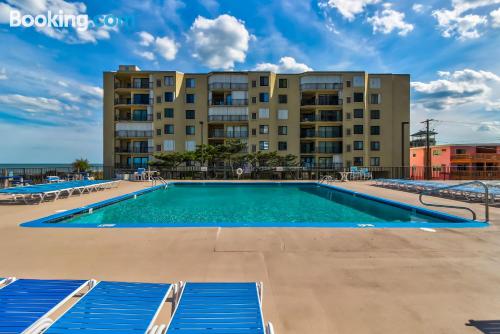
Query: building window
[[282, 114], [254, 115], [358, 81], [375, 114], [282, 130], [282, 146], [264, 81], [358, 113], [283, 83], [263, 113], [254, 84], [374, 98], [263, 145], [158, 132], [460, 151], [169, 129], [330, 131], [358, 161], [190, 145], [358, 129], [263, 97], [282, 98], [375, 83], [169, 81], [158, 115], [168, 112], [190, 114], [158, 99], [189, 98], [358, 145], [358, 97], [375, 146], [190, 130], [330, 115], [347, 115], [169, 145], [254, 99], [254, 148], [330, 147], [158, 83], [375, 130], [348, 99], [264, 129], [347, 132], [375, 161], [158, 147], [169, 96], [254, 132], [348, 83], [348, 148], [190, 83]]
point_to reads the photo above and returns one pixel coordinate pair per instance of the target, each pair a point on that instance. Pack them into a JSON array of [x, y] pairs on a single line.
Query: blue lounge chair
[[228, 308], [24, 302], [114, 307]]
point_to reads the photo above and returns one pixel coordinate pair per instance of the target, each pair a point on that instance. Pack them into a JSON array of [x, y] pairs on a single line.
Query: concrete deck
[[321, 281]]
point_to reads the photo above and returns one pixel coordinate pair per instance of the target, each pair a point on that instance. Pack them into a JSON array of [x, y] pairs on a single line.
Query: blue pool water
[[237, 205]]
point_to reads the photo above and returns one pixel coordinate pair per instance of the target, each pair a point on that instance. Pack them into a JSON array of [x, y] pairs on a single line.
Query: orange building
[[464, 161]]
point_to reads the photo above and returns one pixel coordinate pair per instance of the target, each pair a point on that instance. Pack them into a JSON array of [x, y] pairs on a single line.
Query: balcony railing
[[127, 166], [133, 134], [307, 149], [123, 100], [228, 134], [320, 86], [461, 157], [307, 118], [147, 118], [308, 134], [321, 102], [231, 102], [135, 85], [134, 149], [227, 118], [228, 85]]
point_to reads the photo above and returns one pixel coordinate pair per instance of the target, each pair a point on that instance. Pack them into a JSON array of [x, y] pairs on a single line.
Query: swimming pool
[[250, 205]]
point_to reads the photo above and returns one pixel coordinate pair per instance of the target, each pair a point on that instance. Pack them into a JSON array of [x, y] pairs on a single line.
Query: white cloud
[[163, 46], [3, 74], [458, 88], [418, 8], [36, 104], [455, 22], [219, 43], [495, 18], [348, 8], [286, 65], [146, 39], [92, 34], [389, 20], [210, 5]]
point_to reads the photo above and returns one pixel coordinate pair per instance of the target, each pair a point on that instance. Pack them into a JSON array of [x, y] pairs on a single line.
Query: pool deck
[[318, 281]]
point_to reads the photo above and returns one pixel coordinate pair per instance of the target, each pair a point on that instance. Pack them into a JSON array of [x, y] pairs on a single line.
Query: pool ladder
[[474, 216], [326, 178], [158, 179]]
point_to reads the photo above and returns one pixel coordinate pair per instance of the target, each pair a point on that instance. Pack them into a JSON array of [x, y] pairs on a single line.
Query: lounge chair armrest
[[270, 328], [157, 329], [39, 327]]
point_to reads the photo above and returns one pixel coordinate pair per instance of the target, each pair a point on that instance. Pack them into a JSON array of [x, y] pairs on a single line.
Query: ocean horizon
[[42, 165]]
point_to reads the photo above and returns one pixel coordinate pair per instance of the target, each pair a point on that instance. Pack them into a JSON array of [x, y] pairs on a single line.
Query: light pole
[[202, 148]]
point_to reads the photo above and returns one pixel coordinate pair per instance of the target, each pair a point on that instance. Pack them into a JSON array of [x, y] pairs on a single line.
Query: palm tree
[[81, 165]]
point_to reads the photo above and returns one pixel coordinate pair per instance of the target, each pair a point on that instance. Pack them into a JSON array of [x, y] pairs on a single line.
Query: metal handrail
[[326, 178], [155, 179], [474, 216]]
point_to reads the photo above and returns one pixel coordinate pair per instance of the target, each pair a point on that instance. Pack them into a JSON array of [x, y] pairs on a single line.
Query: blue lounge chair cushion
[[229, 308], [25, 301], [113, 307]]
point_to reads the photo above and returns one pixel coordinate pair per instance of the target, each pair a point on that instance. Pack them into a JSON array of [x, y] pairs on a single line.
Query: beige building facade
[[327, 119]]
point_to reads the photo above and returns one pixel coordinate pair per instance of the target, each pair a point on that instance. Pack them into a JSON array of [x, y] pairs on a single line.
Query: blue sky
[[51, 78]]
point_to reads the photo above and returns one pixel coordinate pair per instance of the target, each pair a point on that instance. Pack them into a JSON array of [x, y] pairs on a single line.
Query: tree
[[168, 160], [81, 165]]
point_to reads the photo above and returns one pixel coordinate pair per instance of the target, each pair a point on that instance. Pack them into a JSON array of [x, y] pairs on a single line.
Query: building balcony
[[129, 101], [307, 150], [227, 86], [133, 134], [128, 118], [320, 86], [486, 157], [308, 134], [229, 102], [134, 149], [321, 102], [227, 134], [127, 166], [227, 118], [308, 118]]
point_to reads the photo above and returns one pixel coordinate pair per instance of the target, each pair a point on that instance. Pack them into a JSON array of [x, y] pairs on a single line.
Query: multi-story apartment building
[[324, 118]]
